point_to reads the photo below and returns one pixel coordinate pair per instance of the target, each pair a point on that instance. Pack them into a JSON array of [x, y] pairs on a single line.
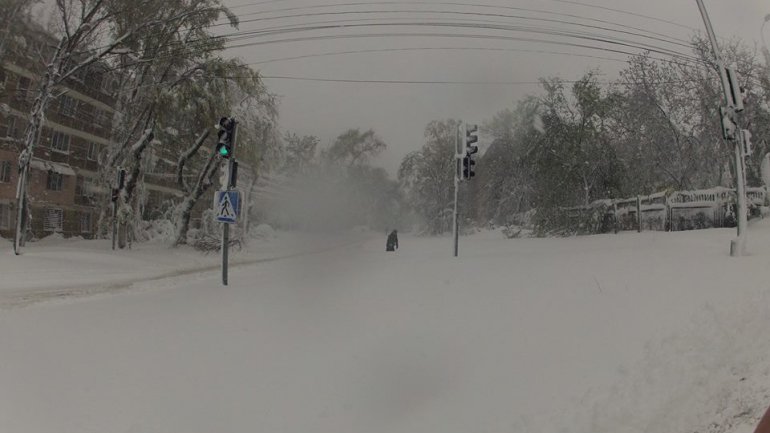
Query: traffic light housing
[[471, 138], [225, 133], [735, 92], [471, 148], [468, 171]]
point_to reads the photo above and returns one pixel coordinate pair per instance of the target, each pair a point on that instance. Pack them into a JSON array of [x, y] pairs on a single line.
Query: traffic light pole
[[737, 246], [228, 185], [114, 223], [455, 219]]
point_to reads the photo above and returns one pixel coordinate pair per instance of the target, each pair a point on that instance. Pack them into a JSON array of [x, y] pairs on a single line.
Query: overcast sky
[[399, 112]]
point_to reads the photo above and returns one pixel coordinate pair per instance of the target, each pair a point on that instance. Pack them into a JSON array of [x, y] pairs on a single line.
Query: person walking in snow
[[392, 244]]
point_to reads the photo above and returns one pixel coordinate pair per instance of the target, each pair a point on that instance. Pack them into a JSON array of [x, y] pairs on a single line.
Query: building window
[[93, 150], [84, 187], [12, 129], [5, 171], [67, 106], [23, 88], [54, 220], [55, 181], [102, 119], [98, 118], [5, 217], [85, 222], [60, 142], [96, 80], [80, 187]]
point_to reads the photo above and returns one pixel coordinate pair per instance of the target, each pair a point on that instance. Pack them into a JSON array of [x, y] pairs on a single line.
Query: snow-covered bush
[[512, 231], [161, 230], [208, 238], [263, 231]]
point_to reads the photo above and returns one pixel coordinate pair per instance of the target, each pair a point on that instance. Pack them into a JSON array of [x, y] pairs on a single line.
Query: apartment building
[[64, 184]]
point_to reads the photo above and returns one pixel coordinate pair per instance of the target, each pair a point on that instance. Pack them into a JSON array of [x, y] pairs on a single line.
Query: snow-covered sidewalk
[[53, 268]]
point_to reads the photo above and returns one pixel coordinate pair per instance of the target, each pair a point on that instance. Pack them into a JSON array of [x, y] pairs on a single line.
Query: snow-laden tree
[[354, 147], [12, 15], [502, 189], [426, 177], [171, 79], [300, 152], [574, 160]]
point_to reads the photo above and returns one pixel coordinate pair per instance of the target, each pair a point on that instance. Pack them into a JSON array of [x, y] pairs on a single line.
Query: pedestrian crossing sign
[[227, 205]]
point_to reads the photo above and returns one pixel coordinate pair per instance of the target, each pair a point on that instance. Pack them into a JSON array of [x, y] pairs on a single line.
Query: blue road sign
[[227, 205]]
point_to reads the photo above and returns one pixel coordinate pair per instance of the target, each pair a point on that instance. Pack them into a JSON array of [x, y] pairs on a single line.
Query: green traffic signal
[[224, 151]]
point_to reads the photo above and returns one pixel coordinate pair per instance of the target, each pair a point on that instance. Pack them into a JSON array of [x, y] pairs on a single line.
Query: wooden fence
[[666, 211]]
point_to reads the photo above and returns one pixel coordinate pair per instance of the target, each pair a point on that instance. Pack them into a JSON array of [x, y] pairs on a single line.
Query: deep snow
[[650, 332]]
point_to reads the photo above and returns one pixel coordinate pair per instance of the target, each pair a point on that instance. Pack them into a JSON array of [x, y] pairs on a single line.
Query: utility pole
[[458, 158], [734, 104]]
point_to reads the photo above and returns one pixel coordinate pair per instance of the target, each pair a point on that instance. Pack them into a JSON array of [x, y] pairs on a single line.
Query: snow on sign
[[227, 206]]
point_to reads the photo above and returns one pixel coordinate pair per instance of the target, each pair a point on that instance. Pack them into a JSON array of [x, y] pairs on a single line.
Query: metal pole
[[114, 223], [739, 172], [225, 242], [455, 222], [639, 214], [226, 228], [20, 214], [737, 246]]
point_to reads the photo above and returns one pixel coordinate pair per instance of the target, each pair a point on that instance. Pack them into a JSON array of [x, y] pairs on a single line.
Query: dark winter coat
[[392, 244]]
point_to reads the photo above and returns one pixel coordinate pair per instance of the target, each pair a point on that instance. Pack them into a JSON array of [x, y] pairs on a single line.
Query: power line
[[595, 37], [572, 2], [475, 21], [622, 11], [245, 34], [451, 82], [386, 50], [481, 37], [463, 25], [655, 35]]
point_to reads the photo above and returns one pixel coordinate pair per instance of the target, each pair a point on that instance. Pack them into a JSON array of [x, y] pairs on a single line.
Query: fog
[[332, 198]]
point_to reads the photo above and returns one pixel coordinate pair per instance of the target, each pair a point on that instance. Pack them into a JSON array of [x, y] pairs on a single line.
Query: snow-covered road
[[650, 332]]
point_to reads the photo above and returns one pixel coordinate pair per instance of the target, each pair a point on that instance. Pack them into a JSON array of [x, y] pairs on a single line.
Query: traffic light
[[471, 137], [729, 128], [226, 131], [468, 164], [735, 91]]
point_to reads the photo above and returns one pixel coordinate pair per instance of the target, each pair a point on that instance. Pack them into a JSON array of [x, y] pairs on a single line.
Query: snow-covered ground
[[650, 332], [56, 267]]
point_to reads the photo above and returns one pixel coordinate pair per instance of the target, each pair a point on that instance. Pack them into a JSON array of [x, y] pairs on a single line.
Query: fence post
[[639, 213]]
